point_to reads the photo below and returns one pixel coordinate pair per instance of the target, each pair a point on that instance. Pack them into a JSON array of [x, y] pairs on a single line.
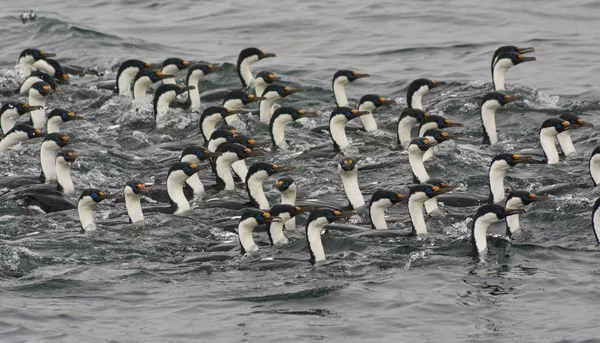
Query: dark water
[[126, 283]]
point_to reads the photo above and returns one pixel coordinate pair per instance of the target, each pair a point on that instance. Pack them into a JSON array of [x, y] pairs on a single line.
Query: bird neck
[[259, 86], [8, 119], [84, 208], [223, 168], [415, 211], [194, 94], [415, 159], [63, 176], [266, 107], [350, 182], [565, 142], [368, 120], [289, 197], [547, 142], [134, 207], [417, 98], [245, 229], [27, 84], [596, 222], [48, 154], [488, 120], [254, 186], [337, 130], [405, 125], [162, 105], [478, 235], [24, 69], [315, 244], [339, 91], [240, 169], [125, 79], [513, 224], [278, 129], [175, 191], [275, 230], [427, 126], [595, 169], [53, 125], [499, 73], [140, 87], [377, 214], [431, 205], [209, 124], [38, 117], [245, 73], [194, 182], [497, 174]]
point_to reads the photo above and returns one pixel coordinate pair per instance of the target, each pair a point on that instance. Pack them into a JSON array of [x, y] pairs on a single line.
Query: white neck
[[84, 208], [134, 207], [48, 154], [513, 222], [377, 213], [38, 117], [279, 125], [209, 124], [259, 86], [500, 70], [415, 158], [429, 153], [125, 80], [427, 127], [25, 70], [162, 105], [246, 72], [339, 91], [63, 175], [368, 120], [194, 94], [404, 127], [214, 144], [255, 187], [350, 181], [337, 127], [596, 223], [44, 66], [595, 169], [566, 144], [8, 119], [289, 197], [497, 173], [547, 141], [12, 140], [26, 85], [223, 169], [480, 232], [277, 235], [240, 169], [140, 87], [245, 229], [175, 190], [431, 205], [194, 182], [237, 105], [265, 109], [313, 234], [418, 97], [415, 210], [488, 117], [53, 125]]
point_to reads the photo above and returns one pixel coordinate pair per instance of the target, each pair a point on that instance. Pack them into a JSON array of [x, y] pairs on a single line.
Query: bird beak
[[254, 153], [513, 99], [360, 113], [430, 144], [447, 138], [267, 55], [584, 124], [273, 220], [216, 68], [513, 211], [539, 198], [443, 190], [523, 159], [389, 102], [73, 141], [186, 88], [77, 118], [155, 66], [292, 91], [527, 59], [204, 166], [453, 124], [307, 209], [283, 168], [345, 214], [49, 54], [526, 50], [109, 195], [145, 189], [360, 76], [438, 83], [33, 108], [275, 78], [570, 127], [307, 115]]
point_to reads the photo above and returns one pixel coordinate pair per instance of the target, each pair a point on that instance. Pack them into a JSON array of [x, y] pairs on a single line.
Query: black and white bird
[[348, 170], [51, 145], [416, 151], [504, 61], [171, 66], [370, 103], [317, 220], [417, 89], [271, 95], [518, 200], [126, 74], [286, 212], [163, 96], [11, 111], [417, 197], [337, 126], [196, 154], [257, 174], [594, 166], [263, 80], [133, 191], [246, 58], [341, 79], [251, 219], [87, 201], [28, 57], [490, 103], [57, 117], [36, 76], [550, 129], [381, 200], [194, 74], [282, 117], [287, 187], [485, 216], [52, 68], [210, 117], [564, 138], [434, 122], [143, 79], [236, 100], [409, 117], [230, 153], [38, 93], [18, 134]]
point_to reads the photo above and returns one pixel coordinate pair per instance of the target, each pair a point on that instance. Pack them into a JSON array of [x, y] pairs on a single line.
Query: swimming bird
[[87, 201], [564, 138], [594, 166], [282, 117], [509, 48], [505, 61], [550, 129], [440, 136], [250, 219], [220, 136], [11, 111], [28, 57], [179, 172], [348, 170], [500, 165], [484, 217], [36, 76], [52, 143], [416, 150], [264, 79], [490, 103], [230, 153], [194, 74], [58, 116], [286, 212], [337, 126], [133, 193], [257, 174], [126, 74], [143, 79], [596, 220], [340, 80], [409, 117], [171, 66], [52, 68], [19, 133], [38, 93], [236, 100], [434, 122], [210, 117], [272, 94], [417, 197], [381, 200], [370, 103], [246, 58], [287, 187], [163, 95], [417, 89], [317, 220], [196, 154], [518, 200]]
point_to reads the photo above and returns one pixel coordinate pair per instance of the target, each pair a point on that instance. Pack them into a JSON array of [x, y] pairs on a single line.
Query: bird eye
[[64, 115], [525, 197], [286, 184], [394, 197], [270, 170], [259, 217], [153, 76], [36, 54], [329, 215], [94, 195], [31, 133], [281, 90], [441, 122], [437, 135], [295, 114], [499, 211], [199, 153], [420, 143], [349, 75], [376, 101], [229, 138], [558, 126], [500, 99], [244, 98], [186, 169], [419, 116], [348, 114], [428, 190]]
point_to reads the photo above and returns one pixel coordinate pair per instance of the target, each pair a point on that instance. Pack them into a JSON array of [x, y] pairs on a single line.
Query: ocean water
[[128, 283]]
